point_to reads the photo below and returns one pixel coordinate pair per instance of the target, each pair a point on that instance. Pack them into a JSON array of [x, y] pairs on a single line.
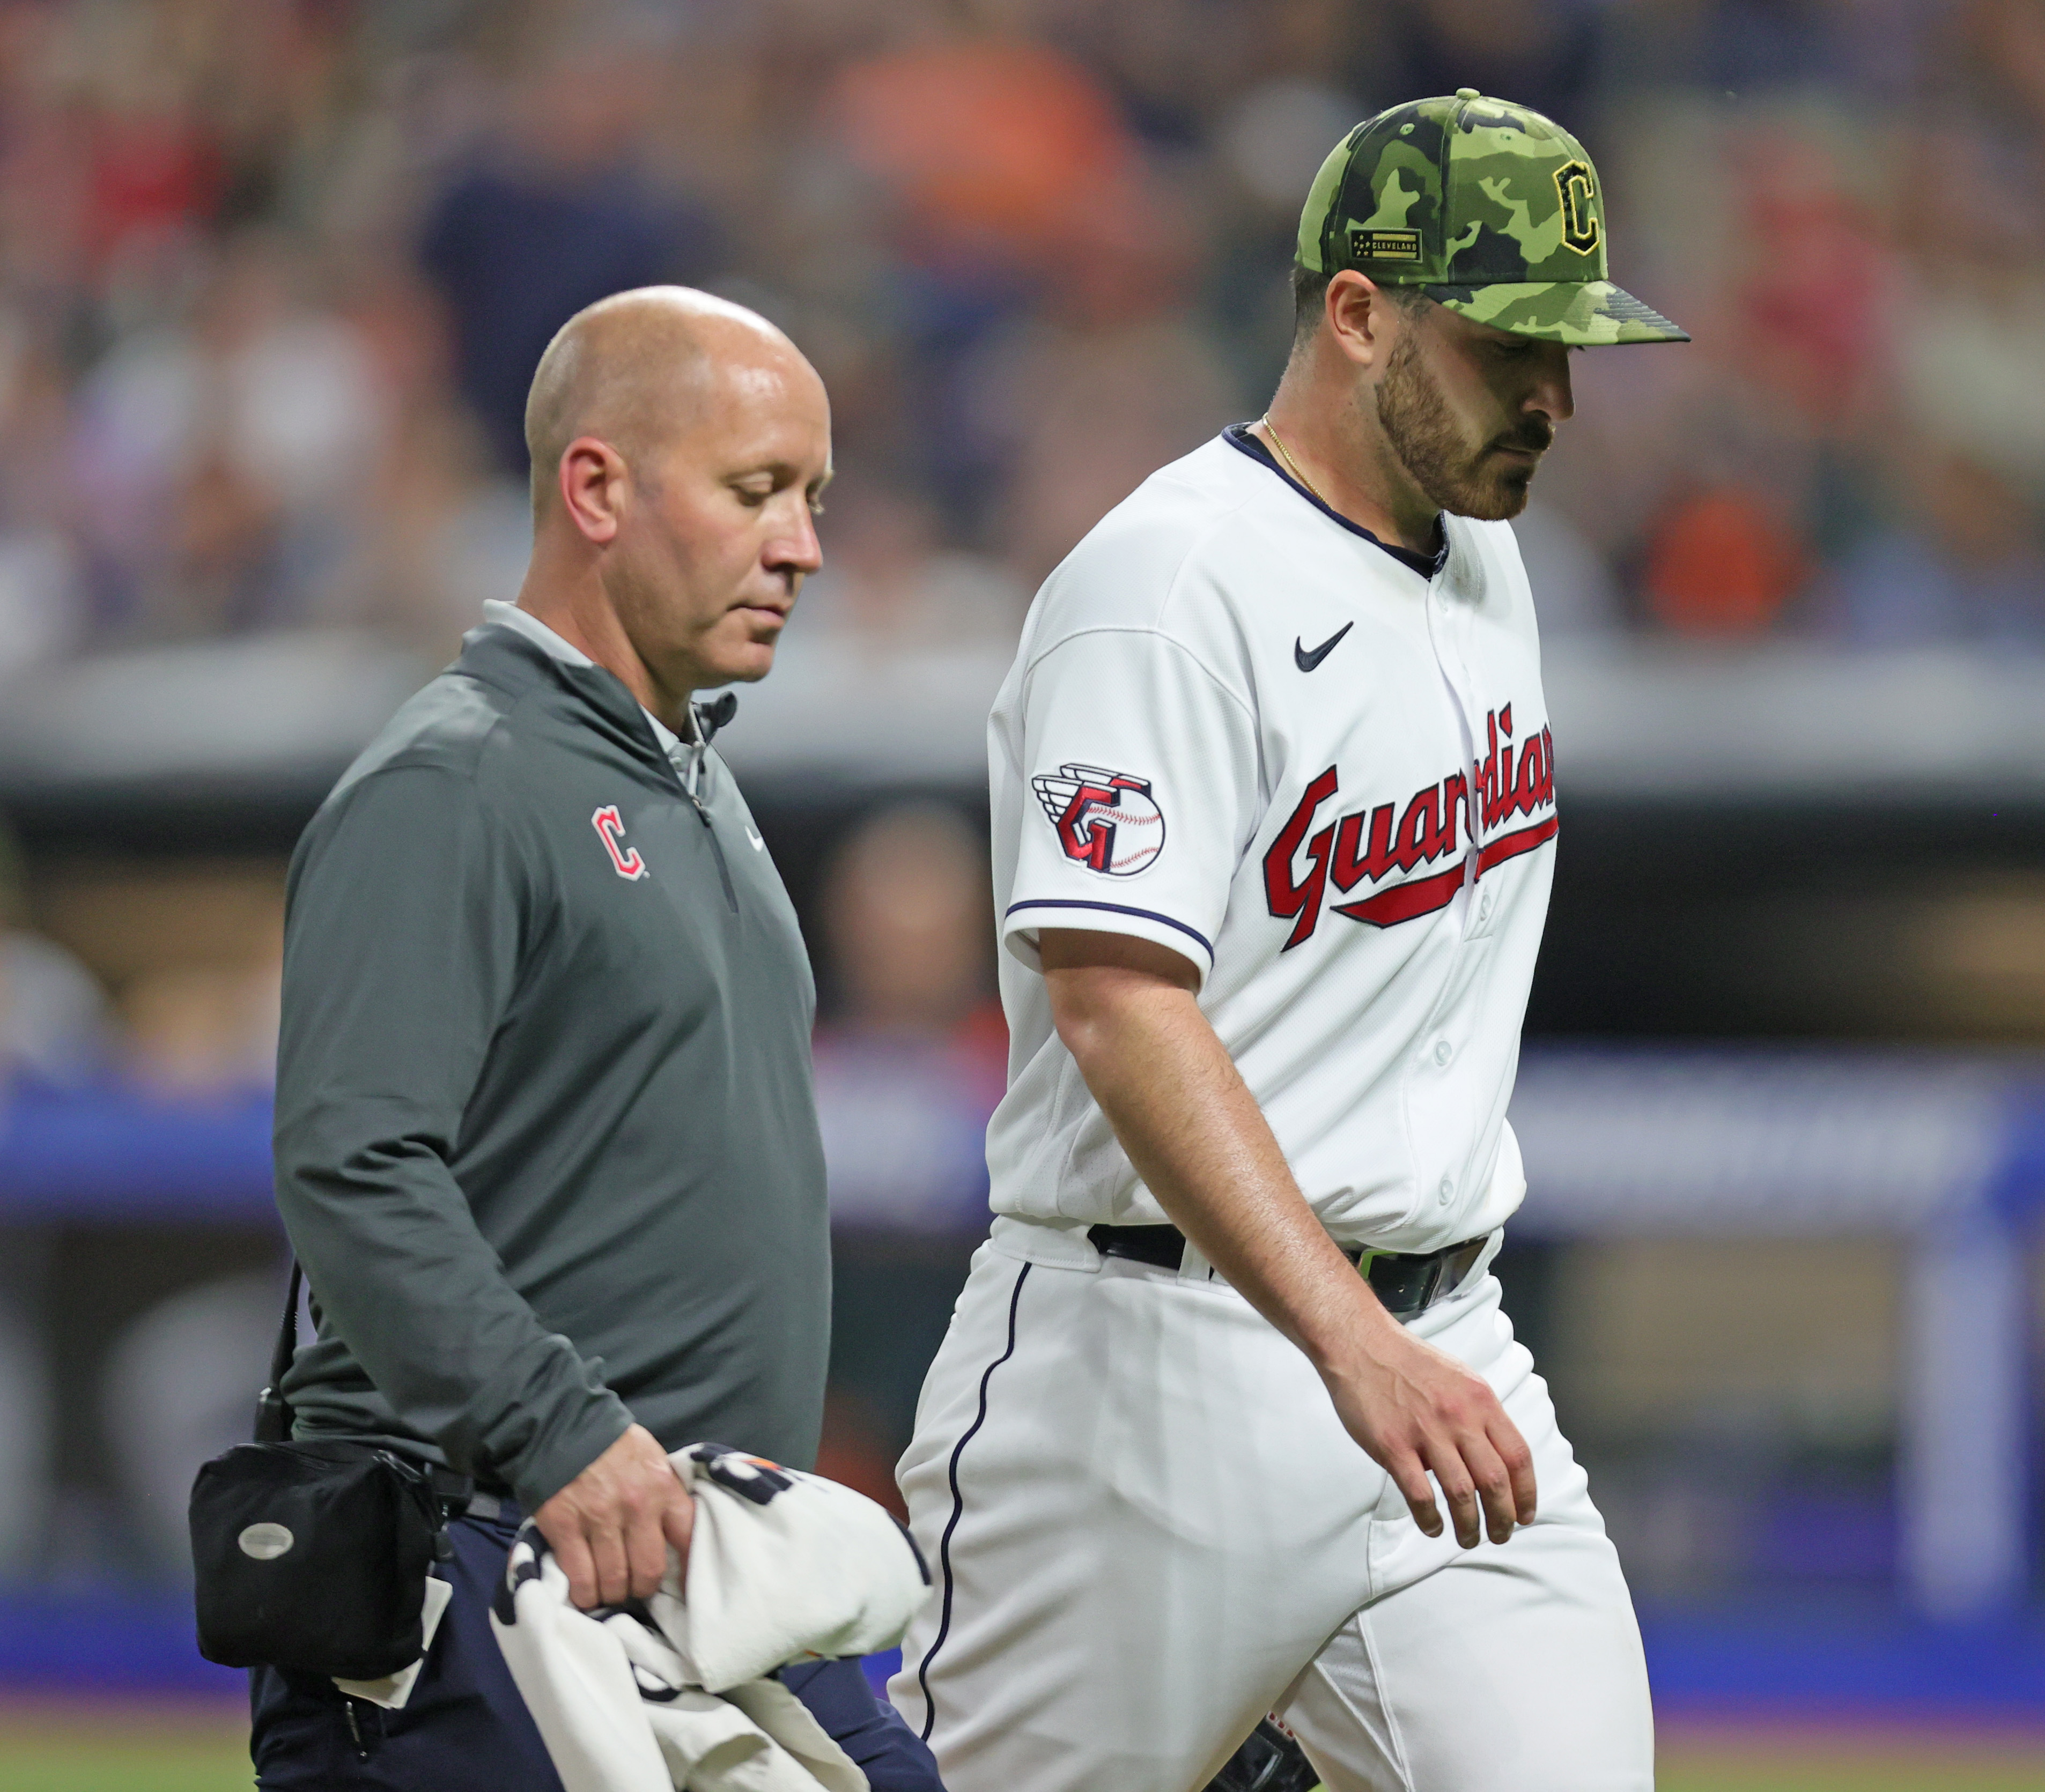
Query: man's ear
[[593, 481], [1359, 317]]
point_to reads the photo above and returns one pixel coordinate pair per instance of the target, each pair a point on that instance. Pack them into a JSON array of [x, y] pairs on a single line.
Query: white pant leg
[[1514, 1668], [1146, 1523], [1143, 1520]]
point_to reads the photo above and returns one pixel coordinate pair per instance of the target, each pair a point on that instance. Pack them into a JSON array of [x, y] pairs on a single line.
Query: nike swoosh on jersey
[[1307, 660], [759, 845]]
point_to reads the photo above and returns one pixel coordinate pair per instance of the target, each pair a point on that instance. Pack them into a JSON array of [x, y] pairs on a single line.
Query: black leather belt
[[1407, 1284]]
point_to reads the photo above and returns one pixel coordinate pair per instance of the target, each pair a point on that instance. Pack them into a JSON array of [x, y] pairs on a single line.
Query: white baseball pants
[[1148, 1528]]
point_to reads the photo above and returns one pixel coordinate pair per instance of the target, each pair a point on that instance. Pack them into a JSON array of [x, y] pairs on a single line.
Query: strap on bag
[[273, 1411], [362, 1525], [448, 1491]]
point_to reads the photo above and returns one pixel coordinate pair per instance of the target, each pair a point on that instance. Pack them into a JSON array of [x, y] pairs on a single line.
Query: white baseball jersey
[[1320, 769]]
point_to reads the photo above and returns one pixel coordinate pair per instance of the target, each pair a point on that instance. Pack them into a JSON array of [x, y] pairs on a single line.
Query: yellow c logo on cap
[[1576, 186]]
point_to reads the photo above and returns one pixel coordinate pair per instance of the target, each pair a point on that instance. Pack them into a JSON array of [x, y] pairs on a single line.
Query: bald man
[[545, 1142]]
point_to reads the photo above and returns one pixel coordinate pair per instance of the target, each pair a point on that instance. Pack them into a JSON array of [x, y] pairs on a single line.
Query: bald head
[[637, 369]]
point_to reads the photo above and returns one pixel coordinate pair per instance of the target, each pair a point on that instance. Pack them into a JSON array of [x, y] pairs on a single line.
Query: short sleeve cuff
[[1024, 920]]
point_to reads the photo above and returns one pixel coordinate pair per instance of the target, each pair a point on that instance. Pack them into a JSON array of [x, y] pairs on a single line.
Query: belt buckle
[[1412, 1301], [1432, 1290]]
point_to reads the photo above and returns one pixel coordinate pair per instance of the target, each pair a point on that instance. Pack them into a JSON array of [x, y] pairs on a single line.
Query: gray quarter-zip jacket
[[546, 1144]]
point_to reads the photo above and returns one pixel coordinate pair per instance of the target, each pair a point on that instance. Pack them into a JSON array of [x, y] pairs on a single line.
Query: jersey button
[[1484, 906], [1443, 1051], [1448, 1188]]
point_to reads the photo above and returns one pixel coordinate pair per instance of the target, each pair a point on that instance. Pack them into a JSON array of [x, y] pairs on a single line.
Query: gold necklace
[[1286, 454]]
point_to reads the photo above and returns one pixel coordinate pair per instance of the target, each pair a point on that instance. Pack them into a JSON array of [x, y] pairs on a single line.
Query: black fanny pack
[[312, 1555]]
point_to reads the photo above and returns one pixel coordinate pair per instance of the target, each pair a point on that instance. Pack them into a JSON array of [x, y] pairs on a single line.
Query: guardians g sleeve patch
[[1107, 820]]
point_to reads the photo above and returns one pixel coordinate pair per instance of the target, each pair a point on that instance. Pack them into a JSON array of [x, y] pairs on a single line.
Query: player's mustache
[[1537, 435]]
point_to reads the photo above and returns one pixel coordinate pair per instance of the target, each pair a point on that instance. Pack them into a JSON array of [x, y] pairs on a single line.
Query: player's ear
[[1358, 311], [593, 480]]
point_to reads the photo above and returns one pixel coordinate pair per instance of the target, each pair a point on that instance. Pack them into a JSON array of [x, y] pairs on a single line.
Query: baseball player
[[1229, 1420]]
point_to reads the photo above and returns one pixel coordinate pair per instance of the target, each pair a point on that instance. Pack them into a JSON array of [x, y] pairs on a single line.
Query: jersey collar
[[510, 616], [1428, 566]]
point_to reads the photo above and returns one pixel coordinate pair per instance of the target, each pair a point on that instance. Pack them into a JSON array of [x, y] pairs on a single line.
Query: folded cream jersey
[[675, 1693]]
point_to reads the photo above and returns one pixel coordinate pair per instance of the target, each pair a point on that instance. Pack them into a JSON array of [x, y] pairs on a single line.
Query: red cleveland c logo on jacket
[[624, 859]]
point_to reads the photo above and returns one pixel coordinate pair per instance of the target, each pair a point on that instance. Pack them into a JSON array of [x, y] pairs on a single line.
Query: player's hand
[[610, 1527], [1414, 1409]]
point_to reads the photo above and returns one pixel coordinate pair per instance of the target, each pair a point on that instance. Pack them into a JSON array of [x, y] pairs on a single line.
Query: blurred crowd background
[[274, 274], [273, 277]]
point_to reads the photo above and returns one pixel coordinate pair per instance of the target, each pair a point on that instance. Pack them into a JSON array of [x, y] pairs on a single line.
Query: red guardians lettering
[[1289, 897], [1393, 840], [625, 860]]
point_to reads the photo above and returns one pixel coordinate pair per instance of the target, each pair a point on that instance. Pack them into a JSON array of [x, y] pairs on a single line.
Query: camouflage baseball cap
[[1492, 209]]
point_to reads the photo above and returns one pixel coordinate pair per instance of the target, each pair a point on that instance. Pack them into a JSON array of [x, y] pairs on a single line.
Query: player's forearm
[[1203, 1146]]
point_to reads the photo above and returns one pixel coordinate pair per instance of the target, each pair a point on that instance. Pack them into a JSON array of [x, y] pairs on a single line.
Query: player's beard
[[1464, 481]]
